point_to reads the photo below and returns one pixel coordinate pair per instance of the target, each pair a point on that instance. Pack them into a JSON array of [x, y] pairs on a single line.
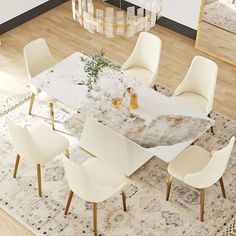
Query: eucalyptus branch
[[93, 66]]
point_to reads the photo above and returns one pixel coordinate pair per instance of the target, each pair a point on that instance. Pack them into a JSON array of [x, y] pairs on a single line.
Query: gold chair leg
[[68, 202], [95, 219], [52, 114], [39, 180], [123, 199], [212, 130], [222, 187], [16, 165], [202, 196], [31, 103], [67, 153], [169, 182]]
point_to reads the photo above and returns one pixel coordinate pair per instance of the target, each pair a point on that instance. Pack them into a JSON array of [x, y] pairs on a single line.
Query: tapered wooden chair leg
[[123, 199], [212, 130], [95, 219], [16, 165], [222, 187], [67, 153], [169, 183], [202, 196], [68, 202], [31, 103], [52, 114], [39, 180]]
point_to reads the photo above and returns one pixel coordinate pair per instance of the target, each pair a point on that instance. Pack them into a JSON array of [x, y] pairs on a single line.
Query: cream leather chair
[[143, 63], [119, 152], [93, 181], [37, 59], [39, 145], [200, 169], [197, 90]]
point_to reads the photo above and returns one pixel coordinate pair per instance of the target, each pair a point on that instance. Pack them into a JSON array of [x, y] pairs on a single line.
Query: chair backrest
[[119, 152], [37, 57], [200, 79], [23, 141], [81, 181], [146, 54], [214, 169]]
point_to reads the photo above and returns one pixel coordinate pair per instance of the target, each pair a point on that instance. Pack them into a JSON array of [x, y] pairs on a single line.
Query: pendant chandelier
[[111, 22]]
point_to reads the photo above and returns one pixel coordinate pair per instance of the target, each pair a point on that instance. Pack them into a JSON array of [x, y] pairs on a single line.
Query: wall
[[185, 12], [12, 8]]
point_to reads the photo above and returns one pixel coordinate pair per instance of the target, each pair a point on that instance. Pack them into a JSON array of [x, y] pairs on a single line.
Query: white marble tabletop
[[159, 124]]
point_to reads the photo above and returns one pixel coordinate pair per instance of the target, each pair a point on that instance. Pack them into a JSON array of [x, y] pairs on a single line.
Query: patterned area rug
[[221, 13], [148, 213]]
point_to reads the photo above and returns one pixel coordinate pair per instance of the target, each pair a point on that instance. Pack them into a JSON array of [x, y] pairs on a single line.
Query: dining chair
[[93, 181], [37, 59], [113, 148], [200, 169], [143, 63], [38, 145], [197, 90]]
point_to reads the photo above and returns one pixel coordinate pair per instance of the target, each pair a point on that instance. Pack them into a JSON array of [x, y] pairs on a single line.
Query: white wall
[[12, 8], [185, 12]]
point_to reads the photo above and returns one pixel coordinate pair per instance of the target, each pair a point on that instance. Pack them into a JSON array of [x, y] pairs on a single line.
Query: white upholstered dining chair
[[94, 182], [38, 145], [37, 59], [197, 90], [200, 169], [143, 63], [108, 145]]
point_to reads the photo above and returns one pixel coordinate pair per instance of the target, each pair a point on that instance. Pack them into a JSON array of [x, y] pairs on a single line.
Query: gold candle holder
[[133, 101], [116, 101]]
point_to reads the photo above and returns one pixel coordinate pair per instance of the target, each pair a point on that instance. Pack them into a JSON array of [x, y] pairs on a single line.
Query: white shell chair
[[93, 181], [197, 90], [39, 145], [119, 152], [37, 59], [143, 63], [200, 169]]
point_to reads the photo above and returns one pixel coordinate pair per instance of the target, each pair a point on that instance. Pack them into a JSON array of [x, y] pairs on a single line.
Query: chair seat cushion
[[41, 94], [191, 160], [50, 142], [108, 179], [193, 100], [140, 74]]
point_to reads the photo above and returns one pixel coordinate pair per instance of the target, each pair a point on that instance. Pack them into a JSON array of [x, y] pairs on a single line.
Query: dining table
[[160, 125]]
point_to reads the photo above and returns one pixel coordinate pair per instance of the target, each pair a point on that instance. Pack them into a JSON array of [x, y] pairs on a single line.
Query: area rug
[[221, 14], [147, 211]]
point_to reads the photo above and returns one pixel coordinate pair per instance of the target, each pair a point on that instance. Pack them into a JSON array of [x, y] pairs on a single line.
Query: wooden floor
[[65, 36], [217, 41]]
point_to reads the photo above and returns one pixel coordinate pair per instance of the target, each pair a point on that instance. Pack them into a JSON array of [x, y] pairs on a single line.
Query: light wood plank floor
[[65, 36]]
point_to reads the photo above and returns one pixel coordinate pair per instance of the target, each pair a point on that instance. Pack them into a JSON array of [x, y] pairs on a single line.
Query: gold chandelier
[[110, 22]]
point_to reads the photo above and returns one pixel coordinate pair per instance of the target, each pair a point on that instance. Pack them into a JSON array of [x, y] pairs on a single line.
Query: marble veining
[[157, 122], [160, 130]]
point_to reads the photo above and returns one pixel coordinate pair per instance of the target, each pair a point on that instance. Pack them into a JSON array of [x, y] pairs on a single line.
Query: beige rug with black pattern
[[148, 213]]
